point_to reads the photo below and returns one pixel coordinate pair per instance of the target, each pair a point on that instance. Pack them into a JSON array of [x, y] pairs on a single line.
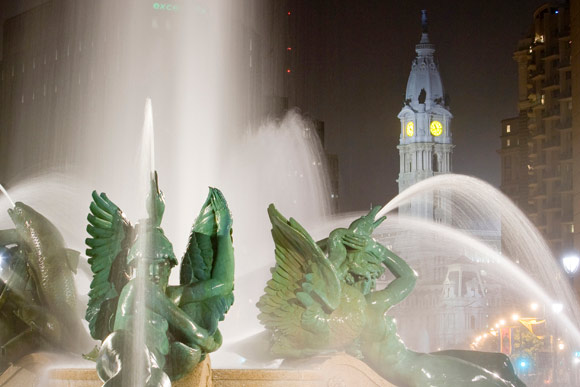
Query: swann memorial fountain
[[322, 312], [320, 301], [318, 318]]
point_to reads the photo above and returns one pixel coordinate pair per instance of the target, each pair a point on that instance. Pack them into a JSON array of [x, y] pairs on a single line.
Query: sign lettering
[[165, 7]]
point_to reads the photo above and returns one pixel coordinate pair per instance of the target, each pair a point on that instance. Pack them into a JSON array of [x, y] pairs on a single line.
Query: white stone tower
[[425, 144]]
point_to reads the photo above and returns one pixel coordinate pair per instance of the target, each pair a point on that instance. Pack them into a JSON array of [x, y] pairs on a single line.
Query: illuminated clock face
[[436, 128], [410, 129]]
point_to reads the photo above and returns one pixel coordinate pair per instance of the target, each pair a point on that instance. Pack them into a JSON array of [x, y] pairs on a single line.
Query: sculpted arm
[[337, 243], [399, 288], [336, 249], [179, 322]]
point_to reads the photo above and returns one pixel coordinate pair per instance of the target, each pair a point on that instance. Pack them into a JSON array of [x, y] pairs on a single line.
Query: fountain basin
[[337, 370]]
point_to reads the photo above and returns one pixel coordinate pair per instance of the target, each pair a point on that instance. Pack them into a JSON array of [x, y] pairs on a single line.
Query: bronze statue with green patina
[[38, 297], [180, 322], [322, 298]]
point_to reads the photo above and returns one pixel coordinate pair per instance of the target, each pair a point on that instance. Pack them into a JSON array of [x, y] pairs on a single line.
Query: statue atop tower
[[425, 143]]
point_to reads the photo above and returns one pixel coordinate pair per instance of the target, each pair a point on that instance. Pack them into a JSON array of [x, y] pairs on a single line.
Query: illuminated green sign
[[170, 7], [165, 7]]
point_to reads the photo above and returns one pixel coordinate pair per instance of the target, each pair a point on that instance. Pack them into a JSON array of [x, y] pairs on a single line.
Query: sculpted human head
[[154, 250]]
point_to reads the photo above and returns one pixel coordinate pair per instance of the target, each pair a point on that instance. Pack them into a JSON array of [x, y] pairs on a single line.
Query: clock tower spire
[[425, 144]]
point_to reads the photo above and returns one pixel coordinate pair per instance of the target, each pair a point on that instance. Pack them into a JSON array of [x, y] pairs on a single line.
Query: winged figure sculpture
[[177, 325], [323, 298]]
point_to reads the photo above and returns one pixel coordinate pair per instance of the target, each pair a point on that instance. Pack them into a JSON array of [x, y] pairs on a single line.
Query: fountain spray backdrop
[[85, 133], [525, 268]]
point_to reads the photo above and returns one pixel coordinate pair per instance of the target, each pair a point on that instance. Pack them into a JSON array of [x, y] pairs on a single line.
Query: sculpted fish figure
[[38, 301]]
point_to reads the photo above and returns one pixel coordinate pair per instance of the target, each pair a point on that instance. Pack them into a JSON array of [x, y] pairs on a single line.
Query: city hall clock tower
[[425, 144]]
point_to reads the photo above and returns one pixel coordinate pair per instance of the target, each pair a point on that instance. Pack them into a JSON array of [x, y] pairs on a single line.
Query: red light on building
[[289, 49], [289, 13], [288, 71]]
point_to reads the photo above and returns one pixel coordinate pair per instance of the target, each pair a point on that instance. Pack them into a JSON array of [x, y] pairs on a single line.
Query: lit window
[[543, 99], [507, 143], [572, 228], [508, 129]]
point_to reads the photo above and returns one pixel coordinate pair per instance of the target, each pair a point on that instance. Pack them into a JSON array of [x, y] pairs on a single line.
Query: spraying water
[[500, 269], [474, 204], [7, 196], [91, 141], [145, 245], [148, 143], [518, 269]]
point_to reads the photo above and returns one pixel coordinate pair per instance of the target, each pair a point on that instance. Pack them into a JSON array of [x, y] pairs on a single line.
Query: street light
[[571, 262]]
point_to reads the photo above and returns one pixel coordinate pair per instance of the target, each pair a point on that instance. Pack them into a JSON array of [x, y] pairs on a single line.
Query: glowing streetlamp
[[571, 262]]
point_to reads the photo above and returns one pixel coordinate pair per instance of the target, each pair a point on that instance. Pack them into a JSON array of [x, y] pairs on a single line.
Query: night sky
[[357, 57]]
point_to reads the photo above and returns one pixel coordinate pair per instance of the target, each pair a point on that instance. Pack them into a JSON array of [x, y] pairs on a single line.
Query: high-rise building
[[536, 147], [575, 63], [425, 144], [514, 176]]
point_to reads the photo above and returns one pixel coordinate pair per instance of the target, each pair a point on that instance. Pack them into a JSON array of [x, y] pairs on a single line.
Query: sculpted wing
[[207, 267], [303, 276], [111, 236], [198, 259]]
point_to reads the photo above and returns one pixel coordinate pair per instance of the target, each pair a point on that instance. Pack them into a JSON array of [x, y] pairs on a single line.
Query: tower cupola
[[424, 87], [425, 143]]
